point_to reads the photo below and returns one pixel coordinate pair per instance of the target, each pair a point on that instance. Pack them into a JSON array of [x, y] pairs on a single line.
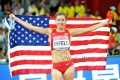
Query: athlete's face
[[60, 21]]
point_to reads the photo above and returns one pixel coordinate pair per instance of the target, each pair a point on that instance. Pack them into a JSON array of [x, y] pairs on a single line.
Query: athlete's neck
[[60, 29]]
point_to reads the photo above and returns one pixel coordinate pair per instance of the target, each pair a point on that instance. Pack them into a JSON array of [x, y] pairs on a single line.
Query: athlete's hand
[[109, 21], [12, 16]]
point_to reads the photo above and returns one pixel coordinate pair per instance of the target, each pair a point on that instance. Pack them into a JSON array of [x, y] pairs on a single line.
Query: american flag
[[29, 51]]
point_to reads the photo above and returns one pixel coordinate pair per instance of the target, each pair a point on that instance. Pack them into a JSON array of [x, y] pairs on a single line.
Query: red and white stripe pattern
[[88, 50]]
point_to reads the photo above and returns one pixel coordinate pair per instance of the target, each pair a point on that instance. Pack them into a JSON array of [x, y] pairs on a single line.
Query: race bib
[[61, 44]]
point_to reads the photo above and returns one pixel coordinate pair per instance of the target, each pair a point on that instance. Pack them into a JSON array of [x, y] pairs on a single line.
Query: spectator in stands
[[71, 10], [2, 37], [54, 6], [112, 42], [6, 7], [63, 8], [114, 15], [3, 43], [110, 15], [119, 24], [76, 8], [115, 34], [18, 9], [96, 15], [117, 49], [25, 3], [54, 3], [119, 8], [32, 8], [79, 9], [1, 13], [14, 3], [46, 5], [88, 14], [3, 57], [118, 31], [47, 13], [26, 13], [40, 9]]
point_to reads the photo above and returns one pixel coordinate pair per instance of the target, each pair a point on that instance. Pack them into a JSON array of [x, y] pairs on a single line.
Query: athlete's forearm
[[25, 24], [31, 27], [98, 25], [83, 30]]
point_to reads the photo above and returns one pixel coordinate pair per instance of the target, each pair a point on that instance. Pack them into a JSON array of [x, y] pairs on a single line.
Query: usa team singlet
[[60, 40]]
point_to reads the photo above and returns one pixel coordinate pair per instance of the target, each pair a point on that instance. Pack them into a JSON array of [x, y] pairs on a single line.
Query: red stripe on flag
[[21, 62], [103, 33], [30, 71], [29, 52], [83, 19], [73, 26], [86, 42], [89, 50], [89, 59], [90, 68]]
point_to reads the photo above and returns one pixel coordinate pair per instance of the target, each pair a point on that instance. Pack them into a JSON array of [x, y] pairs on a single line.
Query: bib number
[[61, 44]]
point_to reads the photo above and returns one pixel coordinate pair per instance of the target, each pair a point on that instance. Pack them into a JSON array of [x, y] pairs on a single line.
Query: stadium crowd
[[49, 8]]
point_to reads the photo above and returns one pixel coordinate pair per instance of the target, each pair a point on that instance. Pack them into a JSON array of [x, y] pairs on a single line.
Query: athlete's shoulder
[[49, 29], [70, 30]]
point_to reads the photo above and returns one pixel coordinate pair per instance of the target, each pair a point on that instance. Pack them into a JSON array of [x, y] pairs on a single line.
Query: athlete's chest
[[60, 40]]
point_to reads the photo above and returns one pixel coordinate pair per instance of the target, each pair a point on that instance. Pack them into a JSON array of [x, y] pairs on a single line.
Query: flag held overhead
[[29, 51]]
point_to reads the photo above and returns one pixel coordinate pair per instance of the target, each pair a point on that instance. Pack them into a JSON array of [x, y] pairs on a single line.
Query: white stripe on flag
[[106, 29], [89, 55], [38, 48], [100, 63], [89, 38], [30, 57], [31, 66], [101, 46], [79, 21], [47, 48]]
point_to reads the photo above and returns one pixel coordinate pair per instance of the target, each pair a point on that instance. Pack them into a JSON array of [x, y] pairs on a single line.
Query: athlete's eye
[[58, 20], [62, 20]]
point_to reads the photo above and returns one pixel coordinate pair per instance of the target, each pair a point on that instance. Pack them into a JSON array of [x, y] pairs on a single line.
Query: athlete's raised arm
[[83, 30], [46, 31]]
